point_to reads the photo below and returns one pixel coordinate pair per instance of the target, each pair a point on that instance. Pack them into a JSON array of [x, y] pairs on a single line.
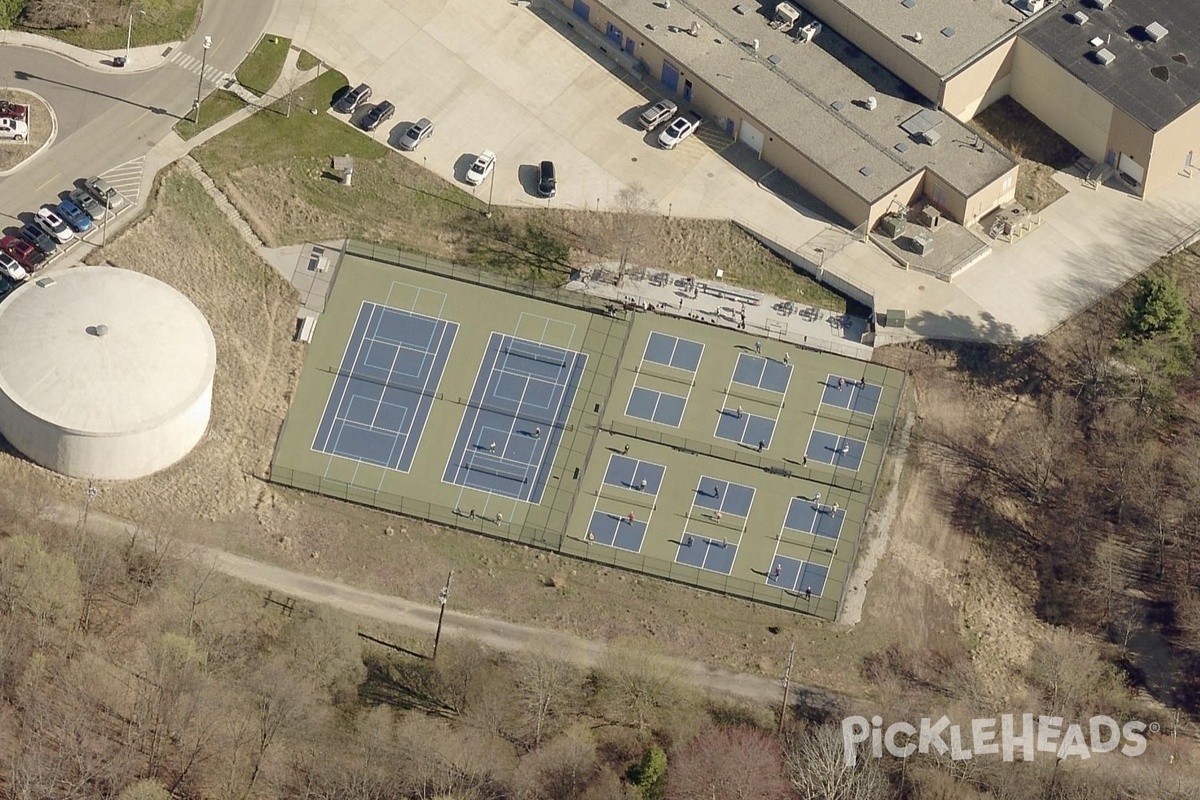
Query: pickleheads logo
[[1001, 736]]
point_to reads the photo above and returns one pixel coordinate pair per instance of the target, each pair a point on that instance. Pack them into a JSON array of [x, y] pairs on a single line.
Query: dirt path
[[493, 633]]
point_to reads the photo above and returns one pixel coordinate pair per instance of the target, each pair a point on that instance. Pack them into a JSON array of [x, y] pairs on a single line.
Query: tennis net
[[471, 464], [761, 396], [656, 370], [521, 413], [627, 497], [529, 355]]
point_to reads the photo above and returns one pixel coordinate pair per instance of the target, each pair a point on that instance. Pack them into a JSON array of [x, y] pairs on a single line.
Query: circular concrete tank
[[104, 373]]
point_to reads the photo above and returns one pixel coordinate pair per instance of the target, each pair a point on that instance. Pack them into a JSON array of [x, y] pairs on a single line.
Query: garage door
[[1131, 168], [670, 77], [751, 136]]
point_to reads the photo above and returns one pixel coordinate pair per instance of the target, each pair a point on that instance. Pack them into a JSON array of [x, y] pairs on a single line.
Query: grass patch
[[164, 21], [1041, 152], [276, 169], [306, 61], [214, 108], [261, 68]]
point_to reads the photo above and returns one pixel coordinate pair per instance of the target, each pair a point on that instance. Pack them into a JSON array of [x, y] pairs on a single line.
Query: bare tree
[[565, 767], [633, 686], [739, 763], [818, 770], [628, 224], [547, 686]]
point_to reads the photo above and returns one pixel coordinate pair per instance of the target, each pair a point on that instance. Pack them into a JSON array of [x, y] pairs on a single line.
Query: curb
[[45, 144], [84, 56]]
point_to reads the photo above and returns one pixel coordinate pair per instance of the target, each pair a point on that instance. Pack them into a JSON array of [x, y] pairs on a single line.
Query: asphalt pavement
[[107, 117]]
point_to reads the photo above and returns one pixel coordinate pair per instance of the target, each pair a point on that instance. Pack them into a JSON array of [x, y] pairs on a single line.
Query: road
[[106, 118], [493, 633]]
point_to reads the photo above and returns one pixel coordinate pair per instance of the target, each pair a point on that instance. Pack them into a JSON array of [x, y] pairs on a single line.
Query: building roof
[[156, 358], [971, 27], [813, 96], [1154, 82]]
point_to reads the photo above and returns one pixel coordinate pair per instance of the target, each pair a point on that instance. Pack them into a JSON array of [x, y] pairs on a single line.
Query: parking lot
[[515, 80]]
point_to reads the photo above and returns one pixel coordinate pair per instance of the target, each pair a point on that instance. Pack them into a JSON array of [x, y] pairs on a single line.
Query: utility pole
[[491, 188], [443, 598], [200, 83], [787, 685]]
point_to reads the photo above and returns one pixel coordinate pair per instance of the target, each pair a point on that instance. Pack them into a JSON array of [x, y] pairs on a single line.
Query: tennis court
[[515, 417], [851, 394], [384, 388]]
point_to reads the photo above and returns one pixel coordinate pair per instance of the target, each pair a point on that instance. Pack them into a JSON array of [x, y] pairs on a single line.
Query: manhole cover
[[633, 159], [920, 288]]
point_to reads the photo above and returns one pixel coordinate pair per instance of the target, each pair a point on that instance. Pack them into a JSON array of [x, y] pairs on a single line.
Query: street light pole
[[491, 188], [443, 598], [129, 34], [200, 83]]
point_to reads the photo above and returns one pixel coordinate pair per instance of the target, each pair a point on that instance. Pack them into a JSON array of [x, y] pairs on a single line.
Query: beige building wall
[[1059, 99], [877, 45], [977, 86], [906, 194], [1172, 146], [1127, 135], [799, 168]]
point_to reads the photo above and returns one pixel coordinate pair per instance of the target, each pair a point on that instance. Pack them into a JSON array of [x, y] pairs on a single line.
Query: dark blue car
[[38, 238], [74, 216]]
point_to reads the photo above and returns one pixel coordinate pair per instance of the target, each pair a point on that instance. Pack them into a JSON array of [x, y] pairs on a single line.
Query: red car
[[14, 110], [26, 254]]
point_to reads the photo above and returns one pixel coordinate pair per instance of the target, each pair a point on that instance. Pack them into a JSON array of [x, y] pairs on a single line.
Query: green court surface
[[649, 442]]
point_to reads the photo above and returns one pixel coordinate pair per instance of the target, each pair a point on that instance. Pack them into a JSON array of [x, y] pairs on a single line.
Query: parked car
[[683, 127], [547, 179], [11, 269], [37, 237], [352, 98], [105, 193], [657, 113], [74, 216], [53, 224], [26, 254], [377, 116], [6, 287], [13, 129], [421, 130], [86, 203], [14, 110], [478, 172]]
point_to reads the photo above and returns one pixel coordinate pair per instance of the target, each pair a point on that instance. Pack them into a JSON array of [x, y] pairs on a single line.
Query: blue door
[[581, 8], [729, 128], [670, 76], [629, 46], [687, 91], [614, 33]]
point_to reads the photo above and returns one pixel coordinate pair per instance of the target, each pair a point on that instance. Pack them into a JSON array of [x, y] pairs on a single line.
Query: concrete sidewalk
[[141, 59]]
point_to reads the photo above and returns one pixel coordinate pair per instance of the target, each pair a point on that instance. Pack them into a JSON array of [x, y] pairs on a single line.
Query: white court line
[[562, 397], [425, 390], [349, 342]]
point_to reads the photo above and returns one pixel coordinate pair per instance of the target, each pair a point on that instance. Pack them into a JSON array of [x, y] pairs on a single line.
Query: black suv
[[351, 99], [547, 179], [377, 116]]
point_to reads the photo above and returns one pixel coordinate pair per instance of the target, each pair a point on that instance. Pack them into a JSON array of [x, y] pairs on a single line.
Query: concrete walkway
[[140, 58]]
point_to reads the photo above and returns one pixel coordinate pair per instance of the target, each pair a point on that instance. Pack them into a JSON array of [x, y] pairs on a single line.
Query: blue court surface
[[851, 394], [762, 373], [655, 406], [841, 452], [806, 516], [796, 576], [629, 473], [745, 428], [515, 417], [714, 555], [674, 352], [385, 386], [715, 494], [616, 531]]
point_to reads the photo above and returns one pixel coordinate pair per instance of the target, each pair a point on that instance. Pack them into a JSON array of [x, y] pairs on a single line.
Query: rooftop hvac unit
[[809, 32], [1104, 56], [1029, 7], [754, 45], [1096, 41], [871, 103], [1079, 18], [786, 15], [1155, 32], [1102, 4], [930, 136], [695, 29]]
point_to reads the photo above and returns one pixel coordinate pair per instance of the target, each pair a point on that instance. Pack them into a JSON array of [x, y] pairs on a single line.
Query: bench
[[304, 329], [730, 293]]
